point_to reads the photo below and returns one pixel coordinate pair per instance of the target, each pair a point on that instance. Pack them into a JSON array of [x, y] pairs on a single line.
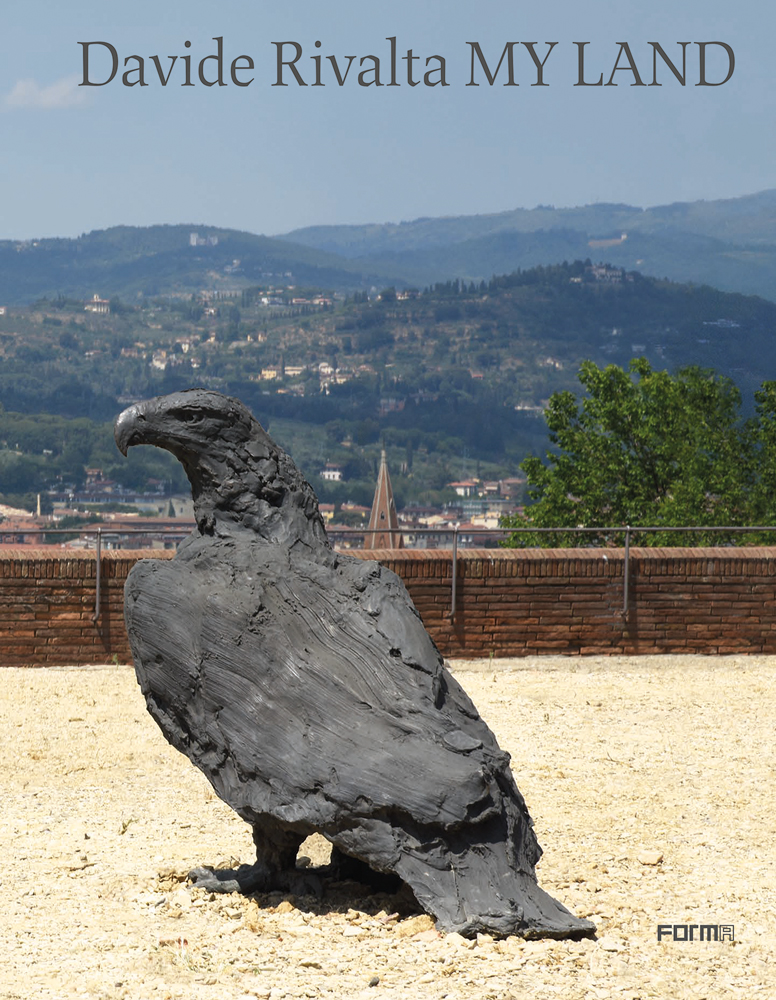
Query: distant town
[[158, 520]]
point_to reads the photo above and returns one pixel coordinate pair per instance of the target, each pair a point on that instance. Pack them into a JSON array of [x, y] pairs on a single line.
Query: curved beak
[[129, 427]]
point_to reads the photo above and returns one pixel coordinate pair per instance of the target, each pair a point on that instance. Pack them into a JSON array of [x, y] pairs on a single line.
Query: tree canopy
[[648, 448]]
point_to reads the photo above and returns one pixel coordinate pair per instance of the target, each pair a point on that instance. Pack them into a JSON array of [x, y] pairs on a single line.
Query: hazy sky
[[269, 159]]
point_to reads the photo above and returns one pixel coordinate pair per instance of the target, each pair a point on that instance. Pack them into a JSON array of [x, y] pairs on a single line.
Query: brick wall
[[516, 602], [508, 602], [47, 604]]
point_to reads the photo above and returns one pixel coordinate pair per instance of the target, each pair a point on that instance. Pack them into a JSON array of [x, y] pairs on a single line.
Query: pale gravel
[[616, 756]]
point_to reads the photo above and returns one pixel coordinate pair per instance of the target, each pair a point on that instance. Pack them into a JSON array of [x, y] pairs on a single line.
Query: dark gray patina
[[304, 685]]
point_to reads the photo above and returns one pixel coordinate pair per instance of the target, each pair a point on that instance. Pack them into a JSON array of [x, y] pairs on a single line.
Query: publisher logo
[[695, 932]]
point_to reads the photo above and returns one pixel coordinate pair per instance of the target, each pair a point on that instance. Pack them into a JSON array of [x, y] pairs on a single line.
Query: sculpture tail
[[488, 886]]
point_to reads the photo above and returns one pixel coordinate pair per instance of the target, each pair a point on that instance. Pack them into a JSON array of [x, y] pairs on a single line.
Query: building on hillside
[[195, 240], [16, 530], [513, 487], [342, 536], [603, 274], [326, 511], [354, 508], [465, 488], [470, 508], [390, 404], [133, 532], [383, 529], [611, 242], [97, 305], [11, 512], [332, 473]]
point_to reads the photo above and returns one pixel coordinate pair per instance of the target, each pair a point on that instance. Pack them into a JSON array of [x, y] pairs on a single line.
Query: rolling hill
[[729, 244]]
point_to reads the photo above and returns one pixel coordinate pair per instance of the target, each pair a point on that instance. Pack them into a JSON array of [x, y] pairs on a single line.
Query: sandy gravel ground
[[622, 761]]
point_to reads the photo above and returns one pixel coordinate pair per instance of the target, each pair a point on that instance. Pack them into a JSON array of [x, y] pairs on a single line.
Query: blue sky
[[269, 159]]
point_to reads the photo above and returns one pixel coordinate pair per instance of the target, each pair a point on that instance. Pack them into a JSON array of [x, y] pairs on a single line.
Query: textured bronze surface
[[304, 686]]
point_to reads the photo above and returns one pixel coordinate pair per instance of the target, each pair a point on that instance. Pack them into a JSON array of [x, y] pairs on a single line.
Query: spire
[[383, 514]]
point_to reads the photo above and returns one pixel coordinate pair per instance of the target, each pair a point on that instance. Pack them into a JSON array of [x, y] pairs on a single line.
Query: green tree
[[762, 443], [232, 316], [644, 447]]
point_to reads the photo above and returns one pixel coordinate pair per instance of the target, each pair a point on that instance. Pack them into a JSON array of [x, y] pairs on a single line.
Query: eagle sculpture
[[304, 685]]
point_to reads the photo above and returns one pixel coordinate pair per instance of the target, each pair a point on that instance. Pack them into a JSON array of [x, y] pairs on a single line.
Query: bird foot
[[249, 879], [245, 879]]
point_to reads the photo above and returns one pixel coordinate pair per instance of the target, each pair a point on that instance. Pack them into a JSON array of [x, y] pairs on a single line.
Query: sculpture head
[[238, 475], [187, 423]]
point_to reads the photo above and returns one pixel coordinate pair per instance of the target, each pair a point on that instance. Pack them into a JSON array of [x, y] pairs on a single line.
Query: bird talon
[[246, 879]]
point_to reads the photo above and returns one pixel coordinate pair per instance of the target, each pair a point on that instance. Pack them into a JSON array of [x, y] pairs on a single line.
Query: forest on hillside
[[452, 378]]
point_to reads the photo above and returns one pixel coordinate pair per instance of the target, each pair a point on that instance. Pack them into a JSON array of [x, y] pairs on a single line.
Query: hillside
[[136, 263], [729, 244], [749, 219], [451, 380]]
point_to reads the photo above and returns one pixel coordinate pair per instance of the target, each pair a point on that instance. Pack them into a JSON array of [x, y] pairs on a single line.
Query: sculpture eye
[[192, 416]]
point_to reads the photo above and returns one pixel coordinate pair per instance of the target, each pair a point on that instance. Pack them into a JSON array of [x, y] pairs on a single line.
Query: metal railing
[[85, 532], [627, 531]]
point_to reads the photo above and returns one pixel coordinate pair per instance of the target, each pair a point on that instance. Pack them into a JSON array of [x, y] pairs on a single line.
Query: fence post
[[97, 576], [626, 574], [453, 589]]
